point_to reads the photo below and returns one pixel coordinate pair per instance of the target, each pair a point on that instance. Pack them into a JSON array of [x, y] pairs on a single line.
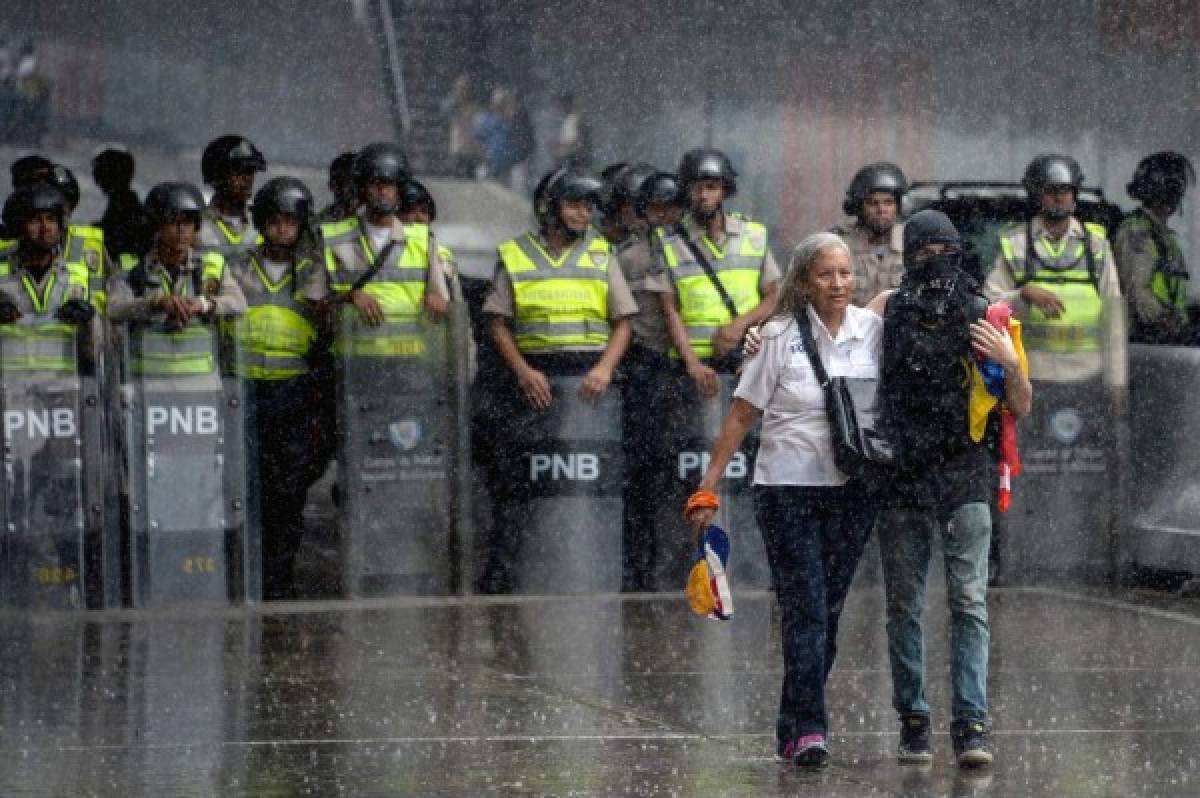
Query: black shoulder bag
[[852, 403], [732, 361]]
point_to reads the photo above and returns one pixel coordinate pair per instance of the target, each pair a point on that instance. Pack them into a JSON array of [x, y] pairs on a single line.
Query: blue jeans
[[814, 537], [905, 541]]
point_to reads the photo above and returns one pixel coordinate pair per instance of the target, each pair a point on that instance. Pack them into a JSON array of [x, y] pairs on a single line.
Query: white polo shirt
[[796, 446]]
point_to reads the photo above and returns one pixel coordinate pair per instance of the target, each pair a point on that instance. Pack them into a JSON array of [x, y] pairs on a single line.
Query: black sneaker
[[971, 743], [914, 739], [810, 752]]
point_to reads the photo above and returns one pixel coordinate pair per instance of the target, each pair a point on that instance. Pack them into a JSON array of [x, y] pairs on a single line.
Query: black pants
[[284, 464]]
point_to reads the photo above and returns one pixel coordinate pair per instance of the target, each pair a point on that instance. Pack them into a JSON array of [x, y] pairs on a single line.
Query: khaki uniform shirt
[[645, 273], [878, 266], [124, 305], [733, 225], [216, 234], [1002, 285], [500, 299], [1137, 258]]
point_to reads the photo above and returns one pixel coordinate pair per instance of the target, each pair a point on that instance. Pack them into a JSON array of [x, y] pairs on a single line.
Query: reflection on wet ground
[[1092, 695]]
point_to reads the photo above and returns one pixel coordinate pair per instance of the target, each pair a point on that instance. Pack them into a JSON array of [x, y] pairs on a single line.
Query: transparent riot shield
[[399, 427], [565, 467], [55, 550], [1067, 504], [184, 451], [695, 429]]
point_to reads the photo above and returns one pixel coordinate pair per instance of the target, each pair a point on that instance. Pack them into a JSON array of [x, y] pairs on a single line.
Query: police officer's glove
[[8, 312], [76, 311]]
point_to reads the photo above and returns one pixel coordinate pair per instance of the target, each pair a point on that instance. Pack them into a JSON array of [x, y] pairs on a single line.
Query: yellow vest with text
[[738, 265], [1064, 273], [561, 304], [85, 244]]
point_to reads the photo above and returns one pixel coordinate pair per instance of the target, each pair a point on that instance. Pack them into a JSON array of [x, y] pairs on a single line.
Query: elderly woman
[[814, 520]]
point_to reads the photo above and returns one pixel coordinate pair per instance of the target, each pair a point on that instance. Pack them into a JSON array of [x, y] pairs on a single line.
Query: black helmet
[[381, 161], [1051, 170], [281, 195], [226, 153], [415, 195], [64, 179], [559, 185], [342, 167], [1162, 179], [660, 187], [879, 176], [112, 167], [28, 200], [626, 183], [29, 169], [704, 163], [174, 198]]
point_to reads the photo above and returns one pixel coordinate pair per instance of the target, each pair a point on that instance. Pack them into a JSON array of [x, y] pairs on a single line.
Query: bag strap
[[810, 346], [681, 231], [375, 266]]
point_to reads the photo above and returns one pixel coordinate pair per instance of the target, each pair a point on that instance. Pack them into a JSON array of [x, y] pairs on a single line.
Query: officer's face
[[663, 214], [417, 215], [381, 194], [706, 196], [177, 232], [42, 230], [282, 230], [342, 188], [238, 184], [576, 215], [1058, 199], [932, 250], [829, 281], [879, 211]]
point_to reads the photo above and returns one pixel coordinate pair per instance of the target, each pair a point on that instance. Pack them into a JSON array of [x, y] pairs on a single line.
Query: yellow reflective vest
[[738, 266], [275, 335], [38, 341], [561, 304]]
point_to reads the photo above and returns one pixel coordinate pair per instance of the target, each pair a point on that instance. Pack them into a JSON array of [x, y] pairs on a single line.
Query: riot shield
[[695, 429], [399, 430], [56, 550], [564, 469], [184, 451]]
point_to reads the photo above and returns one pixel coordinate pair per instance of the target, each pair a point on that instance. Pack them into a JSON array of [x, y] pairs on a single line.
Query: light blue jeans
[[906, 542]]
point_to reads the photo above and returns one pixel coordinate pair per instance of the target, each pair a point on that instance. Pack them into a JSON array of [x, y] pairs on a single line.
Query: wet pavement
[[1093, 694]]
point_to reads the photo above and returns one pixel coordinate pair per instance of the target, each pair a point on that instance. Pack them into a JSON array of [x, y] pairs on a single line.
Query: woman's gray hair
[[791, 296]]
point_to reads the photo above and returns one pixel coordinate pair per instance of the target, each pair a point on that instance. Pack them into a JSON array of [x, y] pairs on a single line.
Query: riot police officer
[[174, 281], [1153, 272], [723, 277], [876, 239], [342, 188], [659, 201], [417, 206], [36, 281], [282, 279], [83, 242], [229, 164], [1056, 272], [557, 308], [352, 246]]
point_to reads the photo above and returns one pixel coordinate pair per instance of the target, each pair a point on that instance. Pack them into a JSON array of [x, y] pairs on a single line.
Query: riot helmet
[[626, 183], [30, 169], [416, 195], [1162, 179], [381, 161], [64, 179], [879, 176], [705, 163], [661, 188], [230, 153], [559, 185], [28, 201], [173, 199], [281, 195], [112, 168]]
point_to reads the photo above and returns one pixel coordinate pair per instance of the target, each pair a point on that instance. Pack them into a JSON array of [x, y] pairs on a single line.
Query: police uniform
[[742, 262], [131, 298], [1153, 271], [224, 235], [43, 343], [1069, 348], [528, 290], [85, 244], [878, 265], [274, 341]]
